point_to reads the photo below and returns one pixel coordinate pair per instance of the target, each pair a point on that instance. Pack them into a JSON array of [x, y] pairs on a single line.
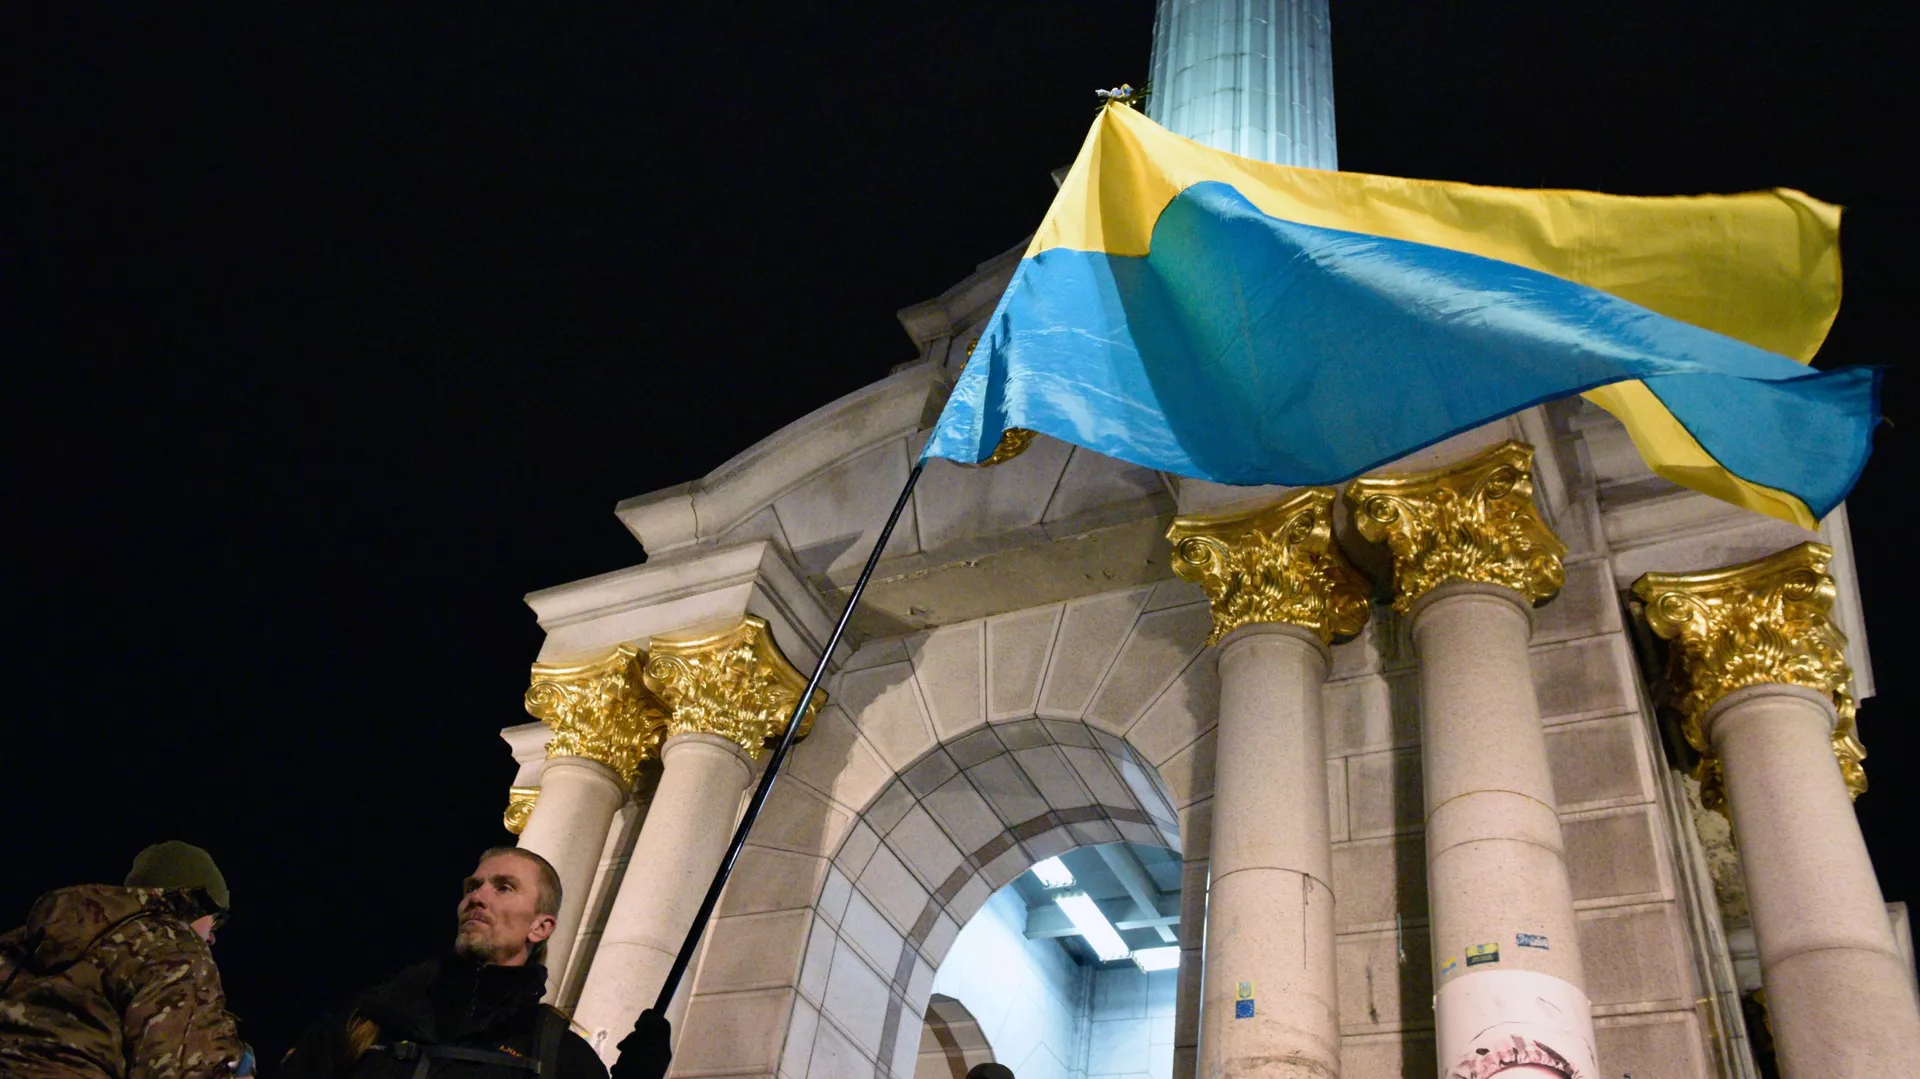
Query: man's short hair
[[548, 901]]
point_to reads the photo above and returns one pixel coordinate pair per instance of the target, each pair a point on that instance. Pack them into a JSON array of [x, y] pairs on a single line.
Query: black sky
[[338, 330]]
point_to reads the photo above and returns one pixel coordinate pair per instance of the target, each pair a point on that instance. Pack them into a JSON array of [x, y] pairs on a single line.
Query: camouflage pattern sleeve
[[174, 1022]]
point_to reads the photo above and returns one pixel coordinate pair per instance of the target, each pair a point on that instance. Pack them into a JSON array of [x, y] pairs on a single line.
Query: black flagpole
[[772, 771]]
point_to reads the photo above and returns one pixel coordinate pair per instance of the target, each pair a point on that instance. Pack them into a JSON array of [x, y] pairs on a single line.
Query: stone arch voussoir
[[952, 1043]]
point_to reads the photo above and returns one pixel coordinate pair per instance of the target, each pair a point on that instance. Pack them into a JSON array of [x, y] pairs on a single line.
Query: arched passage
[[946, 765], [1067, 785]]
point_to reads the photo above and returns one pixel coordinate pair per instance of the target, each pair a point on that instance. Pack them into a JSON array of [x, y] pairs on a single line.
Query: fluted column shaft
[[568, 827], [1496, 865], [1252, 77], [1839, 994], [1280, 591], [1270, 925], [1471, 558], [680, 846]]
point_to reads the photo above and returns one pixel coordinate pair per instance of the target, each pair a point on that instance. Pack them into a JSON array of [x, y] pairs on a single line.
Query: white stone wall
[[1028, 996], [1130, 1024]]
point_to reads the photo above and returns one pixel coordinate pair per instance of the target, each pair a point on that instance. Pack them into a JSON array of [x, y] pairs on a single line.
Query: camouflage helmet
[[178, 866]]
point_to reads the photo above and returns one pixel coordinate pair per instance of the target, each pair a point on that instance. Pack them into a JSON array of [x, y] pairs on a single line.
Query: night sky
[[344, 329]]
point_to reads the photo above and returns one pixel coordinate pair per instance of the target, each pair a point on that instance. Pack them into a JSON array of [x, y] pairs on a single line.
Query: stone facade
[[955, 752]]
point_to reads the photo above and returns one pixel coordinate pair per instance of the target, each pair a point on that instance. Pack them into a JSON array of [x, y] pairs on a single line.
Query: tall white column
[[1759, 677], [1280, 591], [1252, 77], [726, 693], [599, 711], [1496, 864], [680, 845], [1269, 937], [568, 827], [1471, 558]]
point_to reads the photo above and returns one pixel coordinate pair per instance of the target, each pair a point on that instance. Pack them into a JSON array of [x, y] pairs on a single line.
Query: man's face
[[498, 919]]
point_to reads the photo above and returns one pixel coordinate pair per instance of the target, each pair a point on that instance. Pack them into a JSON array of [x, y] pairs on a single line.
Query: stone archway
[[901, 887], [945, 766], [951, 1042]]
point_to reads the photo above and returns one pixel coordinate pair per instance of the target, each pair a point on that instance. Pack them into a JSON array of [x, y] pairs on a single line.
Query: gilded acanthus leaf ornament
[[1756, 623], [1277, 563], [734, 684], [520, 802], [600, 710], [1013, 442], [1474, 521]]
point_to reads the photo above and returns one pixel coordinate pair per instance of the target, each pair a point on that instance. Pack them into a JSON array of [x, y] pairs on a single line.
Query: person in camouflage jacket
[[107, 982]]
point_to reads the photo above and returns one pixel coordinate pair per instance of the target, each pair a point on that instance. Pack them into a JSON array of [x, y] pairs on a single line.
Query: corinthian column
[[1471, 559], [1280, 592], [727, 694], [1757, 674], [602, 717]]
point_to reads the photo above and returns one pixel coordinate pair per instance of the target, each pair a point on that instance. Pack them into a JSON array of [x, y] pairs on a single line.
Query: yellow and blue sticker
[[1243, 1001], [1482, 953]]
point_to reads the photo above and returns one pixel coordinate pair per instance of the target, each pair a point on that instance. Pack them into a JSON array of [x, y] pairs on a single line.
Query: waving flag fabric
[[1248, 323]]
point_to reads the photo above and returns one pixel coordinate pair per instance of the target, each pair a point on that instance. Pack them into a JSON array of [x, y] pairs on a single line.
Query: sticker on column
[[1447, 967], [1531, 940], [1482, 953], [1243, 1002]]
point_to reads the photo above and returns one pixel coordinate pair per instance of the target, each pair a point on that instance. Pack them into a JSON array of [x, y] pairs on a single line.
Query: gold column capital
[[601, 710], [1277, 563], [735, 684], [520, 802], [1472, 521], [1013, 442], [1756, 623]]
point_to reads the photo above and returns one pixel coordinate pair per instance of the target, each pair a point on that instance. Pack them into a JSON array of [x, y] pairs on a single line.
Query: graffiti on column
[[1522, 1052]]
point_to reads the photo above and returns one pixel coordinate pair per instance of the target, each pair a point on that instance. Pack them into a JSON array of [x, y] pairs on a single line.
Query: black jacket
[[446, 1002]]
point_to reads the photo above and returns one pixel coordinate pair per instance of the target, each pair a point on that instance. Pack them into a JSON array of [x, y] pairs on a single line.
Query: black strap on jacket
[[553, 1025], [549, 1028], [427, 1054]]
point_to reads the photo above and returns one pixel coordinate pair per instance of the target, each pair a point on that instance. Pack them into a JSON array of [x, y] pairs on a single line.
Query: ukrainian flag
[[1248, 323]]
